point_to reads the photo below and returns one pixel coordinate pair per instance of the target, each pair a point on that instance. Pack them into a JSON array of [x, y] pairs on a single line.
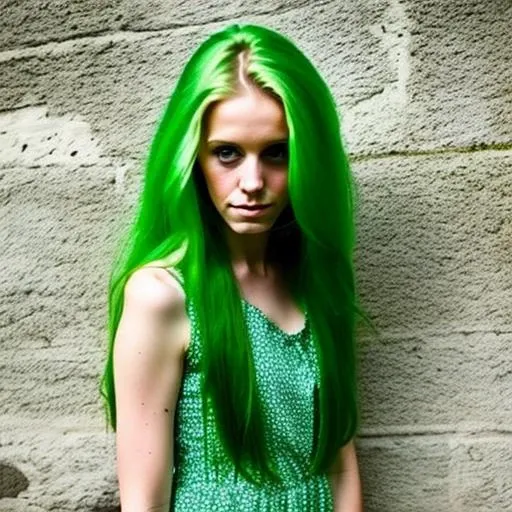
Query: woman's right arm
[[148, 358]]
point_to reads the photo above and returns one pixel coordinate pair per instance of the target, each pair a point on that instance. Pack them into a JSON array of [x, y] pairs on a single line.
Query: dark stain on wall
[[12, 481]]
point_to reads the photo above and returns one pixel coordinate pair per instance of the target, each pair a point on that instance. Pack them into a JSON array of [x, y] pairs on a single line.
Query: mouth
[[252, 208], [252, 211]]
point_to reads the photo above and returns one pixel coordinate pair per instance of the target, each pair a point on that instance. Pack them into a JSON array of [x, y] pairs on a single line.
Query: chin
[[249, 227]]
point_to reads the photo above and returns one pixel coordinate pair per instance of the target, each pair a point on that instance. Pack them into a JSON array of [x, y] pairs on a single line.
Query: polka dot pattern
[[286, 374]]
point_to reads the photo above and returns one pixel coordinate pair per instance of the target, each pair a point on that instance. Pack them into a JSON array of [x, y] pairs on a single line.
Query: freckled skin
[[244, 159]]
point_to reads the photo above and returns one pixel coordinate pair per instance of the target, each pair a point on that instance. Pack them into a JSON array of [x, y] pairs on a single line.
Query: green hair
[[313, 241]]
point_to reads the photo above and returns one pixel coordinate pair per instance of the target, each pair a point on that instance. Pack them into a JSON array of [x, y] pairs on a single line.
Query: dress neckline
[[274, 326]]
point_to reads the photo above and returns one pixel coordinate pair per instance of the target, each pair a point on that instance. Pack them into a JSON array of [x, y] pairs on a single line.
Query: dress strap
[[177, 274]]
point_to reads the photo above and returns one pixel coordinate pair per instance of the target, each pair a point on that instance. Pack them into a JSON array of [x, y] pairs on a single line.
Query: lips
[[251, 212], [253, 207]]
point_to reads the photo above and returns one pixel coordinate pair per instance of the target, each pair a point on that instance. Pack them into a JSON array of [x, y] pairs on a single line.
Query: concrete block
[[449, 473], [59, 227], [448, 64], [31, 23], [459, 382], [98, 89], [67, 470], [24, 25], [402, 82], [481, 473], [405, 474], [434, 250]]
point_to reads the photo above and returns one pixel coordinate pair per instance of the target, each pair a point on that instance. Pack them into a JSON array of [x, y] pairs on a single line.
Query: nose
[[251, 175]]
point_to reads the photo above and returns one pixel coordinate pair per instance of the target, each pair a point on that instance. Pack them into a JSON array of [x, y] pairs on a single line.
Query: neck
[[249, 253]]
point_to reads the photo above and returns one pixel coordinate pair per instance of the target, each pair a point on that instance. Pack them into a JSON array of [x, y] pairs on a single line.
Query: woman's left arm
[[345, 481]]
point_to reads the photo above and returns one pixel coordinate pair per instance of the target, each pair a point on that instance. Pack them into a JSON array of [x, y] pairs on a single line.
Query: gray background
[[424, 90]]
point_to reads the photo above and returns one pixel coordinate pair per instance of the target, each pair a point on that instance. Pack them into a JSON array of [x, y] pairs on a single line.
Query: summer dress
[[286, 373]]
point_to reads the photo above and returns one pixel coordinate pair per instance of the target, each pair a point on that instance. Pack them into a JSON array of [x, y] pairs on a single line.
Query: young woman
[[231, 372]]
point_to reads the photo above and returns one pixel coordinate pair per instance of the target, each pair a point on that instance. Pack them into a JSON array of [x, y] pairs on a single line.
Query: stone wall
[[424, 90]]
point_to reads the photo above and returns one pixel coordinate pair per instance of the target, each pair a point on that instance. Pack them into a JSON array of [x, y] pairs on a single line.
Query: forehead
[[250, 116]]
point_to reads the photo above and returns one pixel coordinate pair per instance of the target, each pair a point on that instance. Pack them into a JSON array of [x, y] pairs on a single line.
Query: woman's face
[[244, 159]]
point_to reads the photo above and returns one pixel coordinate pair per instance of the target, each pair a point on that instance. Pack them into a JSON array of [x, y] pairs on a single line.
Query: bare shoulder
[[154, 288], [153, 293]]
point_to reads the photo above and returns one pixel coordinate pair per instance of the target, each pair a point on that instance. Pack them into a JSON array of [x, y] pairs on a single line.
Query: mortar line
[[107, 35], [475, 148], [405, 432]]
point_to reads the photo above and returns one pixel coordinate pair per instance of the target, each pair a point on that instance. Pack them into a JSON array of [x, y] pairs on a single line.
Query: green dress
[[286, 373]]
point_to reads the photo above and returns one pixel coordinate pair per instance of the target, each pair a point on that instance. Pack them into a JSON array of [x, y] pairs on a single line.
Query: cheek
[[218, 183], [210, 175], [280, 184]]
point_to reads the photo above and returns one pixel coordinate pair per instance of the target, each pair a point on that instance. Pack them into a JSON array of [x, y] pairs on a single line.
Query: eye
[[277, 152], [225, 154]]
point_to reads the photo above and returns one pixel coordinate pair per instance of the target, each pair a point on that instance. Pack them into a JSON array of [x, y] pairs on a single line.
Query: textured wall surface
[[424, 89]]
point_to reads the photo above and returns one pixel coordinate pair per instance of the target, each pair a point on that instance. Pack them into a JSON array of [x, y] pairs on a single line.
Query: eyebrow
[[268, 143]]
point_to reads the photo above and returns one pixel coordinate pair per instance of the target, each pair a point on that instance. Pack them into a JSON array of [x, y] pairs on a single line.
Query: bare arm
[[345, 481], [148, 358]]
